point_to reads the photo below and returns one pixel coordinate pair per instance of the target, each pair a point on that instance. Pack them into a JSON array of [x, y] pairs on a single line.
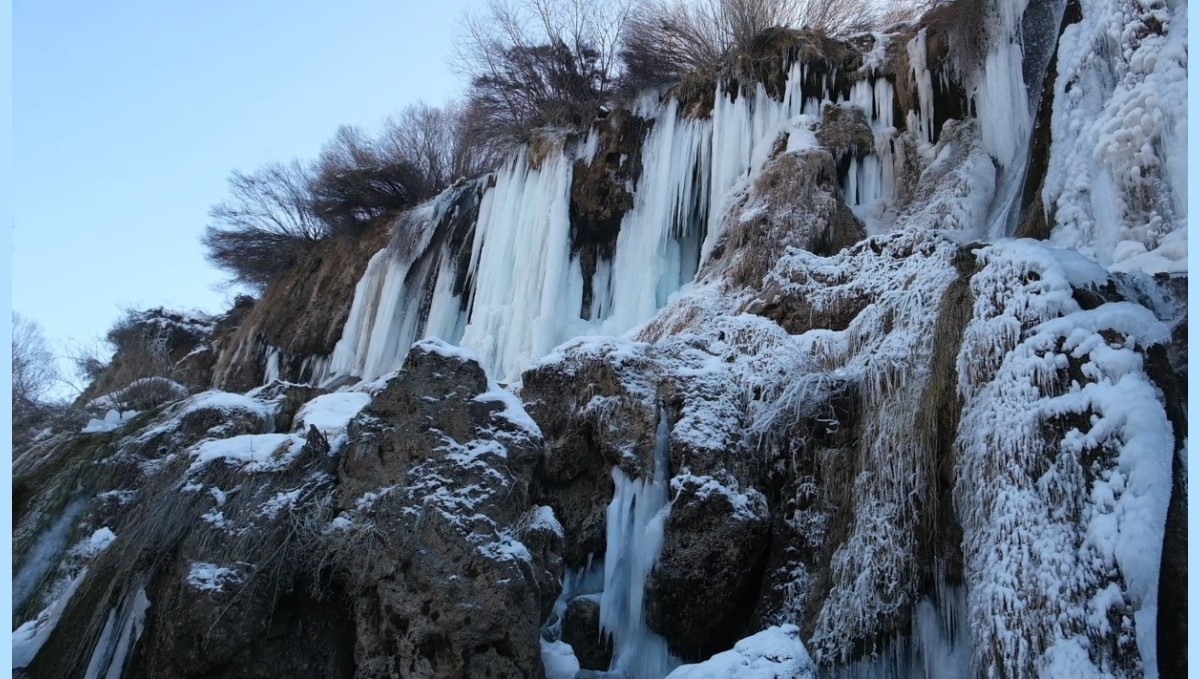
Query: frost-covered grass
[[210, 577], [1064, 470], [112, 420], [1117, 180], [254, 452]]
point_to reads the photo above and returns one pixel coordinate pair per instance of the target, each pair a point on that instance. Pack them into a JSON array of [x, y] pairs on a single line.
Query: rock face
[[412, 552], [300, 315], [703, 591], [868, 437], [437, 479], [581, 629]]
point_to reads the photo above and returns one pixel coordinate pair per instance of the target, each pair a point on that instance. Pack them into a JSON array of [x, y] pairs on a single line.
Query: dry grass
[[164, 529]]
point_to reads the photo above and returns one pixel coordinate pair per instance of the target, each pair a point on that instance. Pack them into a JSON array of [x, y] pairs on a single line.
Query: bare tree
[[536, 63], [435, 141], [34, 374], [359, 179], [265, 224], [34, 371], [665, 40], [425, 135]]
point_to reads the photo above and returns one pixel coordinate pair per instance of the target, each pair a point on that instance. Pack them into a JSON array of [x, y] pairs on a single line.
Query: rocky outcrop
[[702, 592], [436, 483], [581, 629], [601, 192], [227, 546], [300, 315]]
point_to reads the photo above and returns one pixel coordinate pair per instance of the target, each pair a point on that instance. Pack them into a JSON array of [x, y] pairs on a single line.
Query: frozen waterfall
[[518, 291], [637, 516]]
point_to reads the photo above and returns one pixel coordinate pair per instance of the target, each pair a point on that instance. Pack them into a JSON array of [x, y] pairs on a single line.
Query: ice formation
[[1057, 475], [524, 292], [121, 631], [636, 517]]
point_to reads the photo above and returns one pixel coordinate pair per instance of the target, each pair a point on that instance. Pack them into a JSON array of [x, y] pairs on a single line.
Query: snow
[[1083, 510], [112, 420], [331, 414], [774, 653], [209, 577], [1117, 177], [254, 452], [283, 500], [227, 402], [436, 345], [95, 543], [27, 639], [559, 660], [747, 506], [514, 410], [543, 519], [158, 385]]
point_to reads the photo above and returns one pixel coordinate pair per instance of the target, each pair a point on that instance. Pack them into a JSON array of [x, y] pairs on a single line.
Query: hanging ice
[[521, 266], [121, 631], [523, 288], [636, 518]]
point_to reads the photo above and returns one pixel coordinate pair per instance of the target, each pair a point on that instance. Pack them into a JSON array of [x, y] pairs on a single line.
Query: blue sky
[[129, 115]]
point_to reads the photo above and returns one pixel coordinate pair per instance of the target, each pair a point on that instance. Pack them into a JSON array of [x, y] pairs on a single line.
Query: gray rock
[[702, 593], [438, 473], [581, 629]]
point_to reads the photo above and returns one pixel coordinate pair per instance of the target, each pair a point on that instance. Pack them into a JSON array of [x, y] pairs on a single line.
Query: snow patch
[[209, 577], [774, 653]]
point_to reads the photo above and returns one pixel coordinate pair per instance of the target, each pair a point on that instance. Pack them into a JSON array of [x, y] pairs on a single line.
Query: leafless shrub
[[953, 27], [665, 40], [358, 180], [538, 63], [141, 375], [33, 367], [435, 141], [265, 225]]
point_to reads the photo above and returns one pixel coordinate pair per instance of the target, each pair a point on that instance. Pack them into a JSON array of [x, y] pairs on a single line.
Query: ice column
[[637, 516], [525, 301]]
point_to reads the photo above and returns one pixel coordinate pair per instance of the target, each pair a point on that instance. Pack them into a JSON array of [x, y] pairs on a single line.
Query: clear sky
[[128, 116]]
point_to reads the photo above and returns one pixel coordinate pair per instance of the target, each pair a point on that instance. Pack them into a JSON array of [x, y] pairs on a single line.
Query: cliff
[[872, 365]]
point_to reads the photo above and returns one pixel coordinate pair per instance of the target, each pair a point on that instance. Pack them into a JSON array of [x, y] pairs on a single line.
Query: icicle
[[121, 631], [524, 298], [646, 267], [636, 518], [924, 81], [527, 287], [1005, 104], [315, 370], [743, 136], [387, 316], [601, 291], [271, 372], [357, 331]]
